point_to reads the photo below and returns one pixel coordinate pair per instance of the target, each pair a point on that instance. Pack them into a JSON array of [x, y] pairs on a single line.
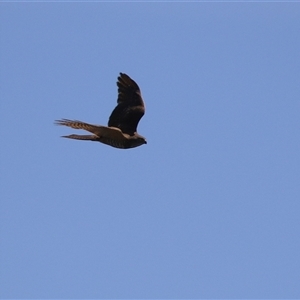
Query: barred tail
[[82, 137]]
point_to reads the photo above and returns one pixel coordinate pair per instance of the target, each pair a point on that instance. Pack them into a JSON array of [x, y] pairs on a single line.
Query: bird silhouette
[[121, 131]]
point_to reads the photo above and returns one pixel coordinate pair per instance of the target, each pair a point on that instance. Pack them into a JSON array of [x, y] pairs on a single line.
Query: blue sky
[[209, 208]]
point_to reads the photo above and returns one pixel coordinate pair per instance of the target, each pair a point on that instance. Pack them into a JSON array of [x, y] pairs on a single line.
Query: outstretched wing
[[130, 108], [99, 131], [95, 129]]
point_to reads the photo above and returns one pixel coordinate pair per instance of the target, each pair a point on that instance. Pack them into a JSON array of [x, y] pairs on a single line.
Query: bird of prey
[[121, 131]]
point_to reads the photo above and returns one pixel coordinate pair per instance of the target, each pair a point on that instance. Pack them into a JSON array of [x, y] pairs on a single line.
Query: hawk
[[121, 131]]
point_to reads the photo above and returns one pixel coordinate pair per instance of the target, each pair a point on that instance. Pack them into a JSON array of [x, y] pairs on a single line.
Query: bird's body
[[121, 131]]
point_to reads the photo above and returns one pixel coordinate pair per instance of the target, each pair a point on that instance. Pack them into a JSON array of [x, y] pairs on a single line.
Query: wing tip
[[61, 121]]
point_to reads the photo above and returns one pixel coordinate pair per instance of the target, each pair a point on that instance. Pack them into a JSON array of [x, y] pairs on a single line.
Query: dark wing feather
[[130, 108]]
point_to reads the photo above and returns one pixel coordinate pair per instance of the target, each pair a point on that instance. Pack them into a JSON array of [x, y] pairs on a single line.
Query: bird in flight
[[121, 131]]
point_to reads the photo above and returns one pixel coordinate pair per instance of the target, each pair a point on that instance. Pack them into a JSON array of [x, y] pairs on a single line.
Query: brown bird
[[123, 121]]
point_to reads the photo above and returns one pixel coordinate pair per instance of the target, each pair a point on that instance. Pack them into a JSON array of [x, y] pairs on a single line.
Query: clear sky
[[209, 208]]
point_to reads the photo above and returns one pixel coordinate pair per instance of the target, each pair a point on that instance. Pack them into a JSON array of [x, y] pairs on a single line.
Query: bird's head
[[137, 140]]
